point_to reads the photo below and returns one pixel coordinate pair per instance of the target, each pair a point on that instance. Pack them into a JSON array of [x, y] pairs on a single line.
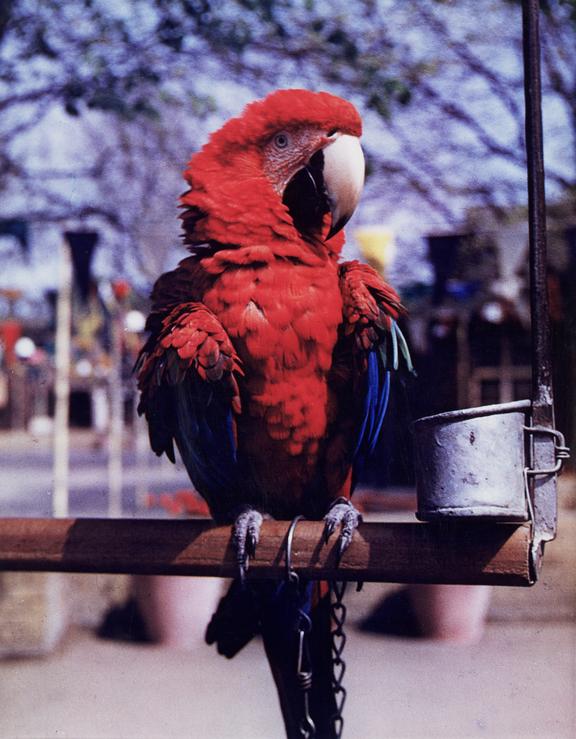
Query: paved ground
[[517, 683]]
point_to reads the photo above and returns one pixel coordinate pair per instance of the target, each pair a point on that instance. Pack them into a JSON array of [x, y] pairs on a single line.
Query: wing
[[371, 312], [188, 378]]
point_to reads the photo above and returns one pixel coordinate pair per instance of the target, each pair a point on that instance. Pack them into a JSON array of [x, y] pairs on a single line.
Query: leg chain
[[338, 612]]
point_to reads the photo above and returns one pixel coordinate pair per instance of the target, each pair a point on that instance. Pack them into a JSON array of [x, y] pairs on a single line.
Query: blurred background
[[101, 106]]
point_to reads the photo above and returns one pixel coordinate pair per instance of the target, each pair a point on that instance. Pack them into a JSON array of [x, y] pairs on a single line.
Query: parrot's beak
[[343, 173]]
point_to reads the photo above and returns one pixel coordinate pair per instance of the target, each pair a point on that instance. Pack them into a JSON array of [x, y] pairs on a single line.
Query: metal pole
[[541, 366], [62, 385], [543, 487]]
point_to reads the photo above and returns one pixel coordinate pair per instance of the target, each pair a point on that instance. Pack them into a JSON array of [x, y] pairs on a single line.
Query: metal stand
[[491, 462], [544, 448]]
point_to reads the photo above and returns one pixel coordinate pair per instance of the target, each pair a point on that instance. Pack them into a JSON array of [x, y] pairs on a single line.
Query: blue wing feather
[[384, 395], [376, 392], [205, 438]]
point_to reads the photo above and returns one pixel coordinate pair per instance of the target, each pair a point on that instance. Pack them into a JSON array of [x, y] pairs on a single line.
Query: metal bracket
[[547, 453], [561, 451]]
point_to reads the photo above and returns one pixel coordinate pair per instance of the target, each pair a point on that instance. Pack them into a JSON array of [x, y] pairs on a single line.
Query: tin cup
[[470, 463]]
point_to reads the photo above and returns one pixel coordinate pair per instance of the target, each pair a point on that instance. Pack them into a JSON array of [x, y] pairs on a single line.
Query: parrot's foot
[[342, 513], [245, 536]]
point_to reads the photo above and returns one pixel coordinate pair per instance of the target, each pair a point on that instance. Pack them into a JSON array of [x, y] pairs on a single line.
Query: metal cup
[[470, 463]]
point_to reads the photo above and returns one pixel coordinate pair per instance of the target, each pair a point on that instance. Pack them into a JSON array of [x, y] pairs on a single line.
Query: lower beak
[[343, 174]]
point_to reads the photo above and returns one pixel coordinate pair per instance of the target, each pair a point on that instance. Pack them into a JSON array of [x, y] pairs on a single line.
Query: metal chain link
[[338, 613]]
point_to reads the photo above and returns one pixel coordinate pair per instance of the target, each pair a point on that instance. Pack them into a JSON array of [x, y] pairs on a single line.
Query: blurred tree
[[439, 84], [141, 175]]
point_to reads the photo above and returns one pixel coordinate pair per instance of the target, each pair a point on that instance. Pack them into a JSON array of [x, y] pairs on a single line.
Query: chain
[[306, 728], [338, 612]]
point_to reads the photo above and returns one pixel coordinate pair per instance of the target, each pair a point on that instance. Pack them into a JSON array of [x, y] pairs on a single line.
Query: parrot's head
[[290, 166]]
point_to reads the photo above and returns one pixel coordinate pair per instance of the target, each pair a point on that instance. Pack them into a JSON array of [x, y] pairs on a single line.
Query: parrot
[[268, 359]]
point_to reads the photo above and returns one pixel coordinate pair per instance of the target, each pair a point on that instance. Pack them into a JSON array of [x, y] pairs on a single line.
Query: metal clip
[[306, 727], [545, 463], [561, 451]]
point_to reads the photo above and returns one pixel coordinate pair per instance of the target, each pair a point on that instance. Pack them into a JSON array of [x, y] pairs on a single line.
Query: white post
[[115, 440], [142, 457], [62, 385]]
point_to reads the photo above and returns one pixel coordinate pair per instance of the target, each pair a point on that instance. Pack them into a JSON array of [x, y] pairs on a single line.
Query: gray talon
[[329, 527], [344, 514], [245, 536]]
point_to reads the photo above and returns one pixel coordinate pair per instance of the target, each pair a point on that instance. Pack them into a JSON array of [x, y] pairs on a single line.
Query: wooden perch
[[469, 553]]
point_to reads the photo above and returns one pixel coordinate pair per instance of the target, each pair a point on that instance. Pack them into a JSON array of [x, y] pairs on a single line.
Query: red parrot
[[268, 359]]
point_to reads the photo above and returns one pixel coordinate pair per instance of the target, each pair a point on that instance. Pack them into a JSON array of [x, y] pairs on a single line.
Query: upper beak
[[343, 173]]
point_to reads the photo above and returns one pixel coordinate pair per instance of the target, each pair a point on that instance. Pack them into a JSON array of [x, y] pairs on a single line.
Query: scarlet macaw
[[268, 359]]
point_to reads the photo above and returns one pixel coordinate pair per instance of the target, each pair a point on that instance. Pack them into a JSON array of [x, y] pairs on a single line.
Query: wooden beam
[[469, 553]]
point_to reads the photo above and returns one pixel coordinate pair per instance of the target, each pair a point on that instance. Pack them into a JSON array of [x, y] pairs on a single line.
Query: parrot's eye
[[281, 140]]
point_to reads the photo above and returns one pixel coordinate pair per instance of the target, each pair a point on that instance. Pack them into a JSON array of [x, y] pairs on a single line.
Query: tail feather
[[235, 622]]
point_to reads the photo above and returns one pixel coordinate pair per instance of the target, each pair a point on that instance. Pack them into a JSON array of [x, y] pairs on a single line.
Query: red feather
[[271, 302]]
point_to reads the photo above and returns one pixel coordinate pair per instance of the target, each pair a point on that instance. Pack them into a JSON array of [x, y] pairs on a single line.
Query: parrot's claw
[[245, 536], [342, 513]]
